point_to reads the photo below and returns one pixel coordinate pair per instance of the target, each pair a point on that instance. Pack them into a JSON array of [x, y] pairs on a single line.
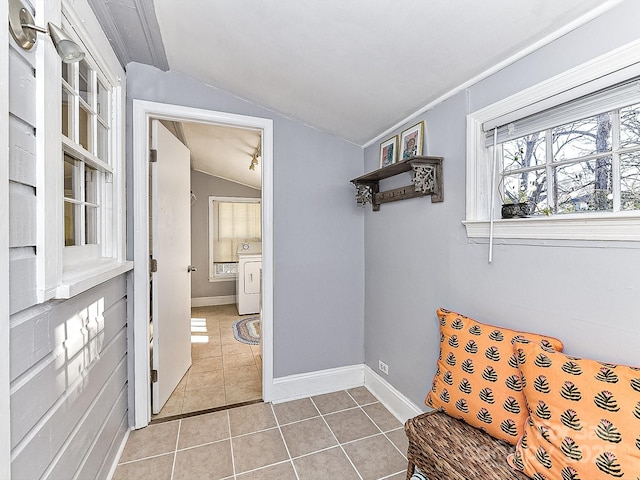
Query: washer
[[248, 284]]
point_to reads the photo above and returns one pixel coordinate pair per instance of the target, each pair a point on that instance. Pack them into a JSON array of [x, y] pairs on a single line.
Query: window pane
[[67, 73], [528, 187], [102, 150], [237, 222], [85, 128], [524, 152], [630, 126], [90, 185], [102, 106], [581, 138], [70, 231], [84, 82], [91, 225], [67, 106], [630, 181], [70, 178], [584, 186]]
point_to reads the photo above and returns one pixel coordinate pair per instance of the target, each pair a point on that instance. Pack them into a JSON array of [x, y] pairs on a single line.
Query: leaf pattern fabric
[[477, 378], [584, 419]]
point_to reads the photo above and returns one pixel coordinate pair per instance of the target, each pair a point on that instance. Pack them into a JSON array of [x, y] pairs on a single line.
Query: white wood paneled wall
[[22, 178]]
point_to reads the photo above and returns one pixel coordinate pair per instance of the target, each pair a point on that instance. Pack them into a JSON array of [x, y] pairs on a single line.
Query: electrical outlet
[[383, 367]]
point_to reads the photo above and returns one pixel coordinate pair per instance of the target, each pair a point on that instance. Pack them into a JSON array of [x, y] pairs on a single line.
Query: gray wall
[[417, 255], [203, 186], [318, 258]]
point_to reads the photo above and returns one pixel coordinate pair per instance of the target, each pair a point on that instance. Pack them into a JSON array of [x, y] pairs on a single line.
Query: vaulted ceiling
[[352, 68]]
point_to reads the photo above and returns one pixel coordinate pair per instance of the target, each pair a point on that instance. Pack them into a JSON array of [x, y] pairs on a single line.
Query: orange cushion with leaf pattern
[[477, 379], [585, 418]]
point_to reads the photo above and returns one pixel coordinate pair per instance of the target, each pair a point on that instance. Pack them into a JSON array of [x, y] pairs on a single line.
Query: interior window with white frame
[[571, 152], [232, 221], [86, 128], [83, 207], [586, 165]]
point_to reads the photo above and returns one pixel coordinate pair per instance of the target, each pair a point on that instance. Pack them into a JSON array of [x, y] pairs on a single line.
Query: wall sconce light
[[23, 30]]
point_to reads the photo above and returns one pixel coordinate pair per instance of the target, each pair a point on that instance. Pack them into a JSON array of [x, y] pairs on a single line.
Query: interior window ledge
[[579, 227], [81, 278], [223, 278]]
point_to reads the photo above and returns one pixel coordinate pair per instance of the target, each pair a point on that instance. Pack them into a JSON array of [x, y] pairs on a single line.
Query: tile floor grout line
[[295, 471], [175, 450], [338, 441], [392, 475], [382, 432], [233, 459]]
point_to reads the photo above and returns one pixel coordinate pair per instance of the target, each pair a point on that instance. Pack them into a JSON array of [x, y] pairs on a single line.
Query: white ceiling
[[224, 152], [353, 68]]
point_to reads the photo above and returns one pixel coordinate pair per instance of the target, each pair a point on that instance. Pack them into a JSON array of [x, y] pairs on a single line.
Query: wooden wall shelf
[[426, 178]]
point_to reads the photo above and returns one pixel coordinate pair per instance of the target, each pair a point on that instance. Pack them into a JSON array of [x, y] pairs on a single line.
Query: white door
[[171, 248]]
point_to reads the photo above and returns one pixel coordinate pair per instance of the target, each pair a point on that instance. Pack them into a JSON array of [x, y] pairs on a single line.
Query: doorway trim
[[138, 362]]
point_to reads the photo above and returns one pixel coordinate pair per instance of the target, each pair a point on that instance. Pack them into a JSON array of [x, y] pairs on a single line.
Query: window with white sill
[[571, 151], [90, 188]]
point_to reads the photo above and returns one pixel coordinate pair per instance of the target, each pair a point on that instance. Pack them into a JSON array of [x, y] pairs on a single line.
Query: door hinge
[[154, 376], [153, 265], [153, 155]]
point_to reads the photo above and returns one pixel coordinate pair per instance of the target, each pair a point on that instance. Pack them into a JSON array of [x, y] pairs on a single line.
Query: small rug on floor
[[247, 330]]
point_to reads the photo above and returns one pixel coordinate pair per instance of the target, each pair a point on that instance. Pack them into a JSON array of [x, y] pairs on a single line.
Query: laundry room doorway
[[215, 322]]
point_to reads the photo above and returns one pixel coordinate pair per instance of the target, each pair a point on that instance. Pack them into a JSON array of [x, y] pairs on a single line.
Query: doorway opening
[[225, 190], [140, 369]]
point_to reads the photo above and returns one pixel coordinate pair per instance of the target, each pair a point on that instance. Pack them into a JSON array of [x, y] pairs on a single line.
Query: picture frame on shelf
[[389, 151], [411, 141]]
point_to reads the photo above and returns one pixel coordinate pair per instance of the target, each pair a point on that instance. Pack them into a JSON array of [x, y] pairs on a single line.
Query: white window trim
[[606, 70], [212, 198], [55, 279]]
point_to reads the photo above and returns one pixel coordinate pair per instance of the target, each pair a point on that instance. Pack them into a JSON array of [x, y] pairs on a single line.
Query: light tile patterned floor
[[346, 435], [223, 370]]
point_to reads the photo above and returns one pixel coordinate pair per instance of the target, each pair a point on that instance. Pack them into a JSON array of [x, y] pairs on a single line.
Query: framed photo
[[389, 151], [411, 141]]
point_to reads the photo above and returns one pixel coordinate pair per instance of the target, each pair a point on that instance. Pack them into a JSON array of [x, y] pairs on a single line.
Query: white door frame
[[139, 370]]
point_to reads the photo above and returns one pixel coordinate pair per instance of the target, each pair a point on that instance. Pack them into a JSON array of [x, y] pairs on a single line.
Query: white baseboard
[[309, 384], [208, 301], [116, 459], [399, 405]]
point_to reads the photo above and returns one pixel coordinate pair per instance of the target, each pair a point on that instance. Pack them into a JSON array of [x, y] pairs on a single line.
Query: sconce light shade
[[24, 32], [69, 51]]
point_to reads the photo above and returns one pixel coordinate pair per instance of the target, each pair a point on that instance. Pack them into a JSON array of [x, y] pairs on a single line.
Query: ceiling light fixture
[[256, 156], [23, 30]]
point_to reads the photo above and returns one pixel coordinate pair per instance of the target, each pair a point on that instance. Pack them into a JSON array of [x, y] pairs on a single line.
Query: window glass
[[582, 138], [585, 186], [66, 113], [84, 124], [70, 224], [630, 126], [528, 186], [102, 147], [84, 82], [630, 181], [70, 175], [102, 104], [234, 223], [524, 152]]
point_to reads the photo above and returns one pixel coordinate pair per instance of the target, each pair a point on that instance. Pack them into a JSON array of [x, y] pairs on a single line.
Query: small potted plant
[[519, 209], [515, 205]]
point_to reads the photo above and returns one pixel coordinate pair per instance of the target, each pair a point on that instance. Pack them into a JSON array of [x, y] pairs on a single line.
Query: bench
[[444, 448]]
